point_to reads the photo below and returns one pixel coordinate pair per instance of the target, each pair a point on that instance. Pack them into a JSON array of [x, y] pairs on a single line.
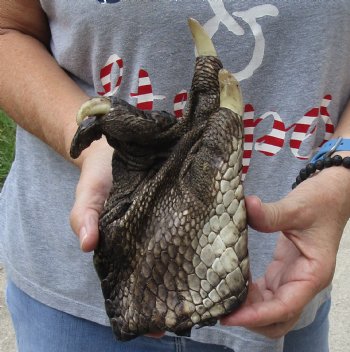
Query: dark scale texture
[[173, 237]]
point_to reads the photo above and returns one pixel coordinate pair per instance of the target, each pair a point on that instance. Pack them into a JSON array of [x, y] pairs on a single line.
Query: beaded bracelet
[[320, 164]]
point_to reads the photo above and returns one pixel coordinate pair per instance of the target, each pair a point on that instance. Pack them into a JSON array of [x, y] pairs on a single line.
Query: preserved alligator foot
[[173, 236]]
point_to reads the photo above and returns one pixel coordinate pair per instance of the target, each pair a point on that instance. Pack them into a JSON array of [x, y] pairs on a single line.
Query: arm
[[311, 219], [42, 99], [34, 90]]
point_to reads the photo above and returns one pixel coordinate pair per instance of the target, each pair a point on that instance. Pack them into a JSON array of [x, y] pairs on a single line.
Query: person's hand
[[311, 218], [92, 190]]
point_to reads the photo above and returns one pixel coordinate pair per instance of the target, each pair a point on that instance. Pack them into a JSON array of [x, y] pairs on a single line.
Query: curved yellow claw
[[203, 42], [94, 106], [230, 92]]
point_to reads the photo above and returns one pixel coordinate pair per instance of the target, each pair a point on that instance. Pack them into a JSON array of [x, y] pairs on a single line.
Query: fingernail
[[82, 237], [258, 200]]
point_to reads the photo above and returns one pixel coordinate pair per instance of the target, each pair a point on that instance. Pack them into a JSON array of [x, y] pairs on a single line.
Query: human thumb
[[84, 222], [271, 217], [90, 195]]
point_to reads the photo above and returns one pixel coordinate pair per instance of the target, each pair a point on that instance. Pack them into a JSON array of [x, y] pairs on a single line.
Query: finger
[[254, 294], [257, 292], [259, 315], [88, 233], [84, 222], [85, 213], [92, 190], [282, 308], [155, 335], [275, 331], [272, 217]]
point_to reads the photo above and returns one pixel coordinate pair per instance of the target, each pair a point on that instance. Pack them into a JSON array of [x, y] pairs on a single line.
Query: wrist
[[335, 181], [335, 152], [100, 147], [335, 145]]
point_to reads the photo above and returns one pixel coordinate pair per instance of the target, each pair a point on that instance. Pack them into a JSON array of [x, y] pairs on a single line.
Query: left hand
[[311, 219], [94, 185]]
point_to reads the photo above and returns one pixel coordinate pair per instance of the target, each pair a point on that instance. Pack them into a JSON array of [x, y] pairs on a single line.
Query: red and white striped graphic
[[107, 75], [180, 102], [329, 127], [144, 93], [249, 126], [271, 143], [303, 129]]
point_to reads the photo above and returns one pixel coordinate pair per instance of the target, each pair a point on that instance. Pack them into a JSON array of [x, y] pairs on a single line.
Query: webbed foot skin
[[173, 234]]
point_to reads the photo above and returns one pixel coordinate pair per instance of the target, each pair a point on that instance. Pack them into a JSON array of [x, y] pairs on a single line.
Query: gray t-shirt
[[292, 60]]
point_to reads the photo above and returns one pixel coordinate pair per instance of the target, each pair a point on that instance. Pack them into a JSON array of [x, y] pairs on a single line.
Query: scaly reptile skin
[[173, 237]]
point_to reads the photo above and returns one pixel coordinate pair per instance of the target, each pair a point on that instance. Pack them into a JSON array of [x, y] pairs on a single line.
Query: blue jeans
[[57, 331], [312, 338]]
